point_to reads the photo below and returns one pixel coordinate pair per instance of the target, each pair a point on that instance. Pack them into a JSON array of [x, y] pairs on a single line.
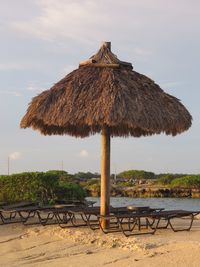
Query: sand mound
[[86, 236]]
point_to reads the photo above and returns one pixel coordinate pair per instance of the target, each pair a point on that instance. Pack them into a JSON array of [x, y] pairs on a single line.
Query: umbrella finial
[[107, 45], [104, 58]]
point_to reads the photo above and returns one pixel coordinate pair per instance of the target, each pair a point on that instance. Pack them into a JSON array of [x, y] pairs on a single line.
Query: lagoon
[[167, 203]]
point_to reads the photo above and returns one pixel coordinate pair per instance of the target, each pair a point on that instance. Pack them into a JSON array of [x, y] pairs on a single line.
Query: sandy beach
[[74, 247]]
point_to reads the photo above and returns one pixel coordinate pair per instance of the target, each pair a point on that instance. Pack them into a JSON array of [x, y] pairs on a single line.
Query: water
[[167, 203]]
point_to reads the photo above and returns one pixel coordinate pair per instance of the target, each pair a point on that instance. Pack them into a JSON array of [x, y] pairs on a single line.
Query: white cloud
[[87, 21], [34, 87], [15, 155], [14, 93], [170, 84], [63, 19], [91, 21], [83, 153]]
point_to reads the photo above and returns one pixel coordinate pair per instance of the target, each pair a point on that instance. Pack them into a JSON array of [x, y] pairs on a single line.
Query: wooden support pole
[[105, 176]]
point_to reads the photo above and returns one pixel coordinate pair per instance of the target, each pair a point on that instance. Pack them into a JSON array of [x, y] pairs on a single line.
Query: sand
[[74, 247]]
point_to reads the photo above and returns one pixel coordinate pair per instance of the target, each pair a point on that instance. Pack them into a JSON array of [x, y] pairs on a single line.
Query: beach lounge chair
[[130, 223], [77, 216], [9, 212], [169, 217], [62, 213], [23, 211], [41, 214], [89, 216], [128, 219]]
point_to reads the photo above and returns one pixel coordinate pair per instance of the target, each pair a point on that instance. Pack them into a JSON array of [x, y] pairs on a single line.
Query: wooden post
[[105, 176]]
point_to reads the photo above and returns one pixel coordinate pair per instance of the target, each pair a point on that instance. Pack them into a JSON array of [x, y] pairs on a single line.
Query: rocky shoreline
[[151, 191]]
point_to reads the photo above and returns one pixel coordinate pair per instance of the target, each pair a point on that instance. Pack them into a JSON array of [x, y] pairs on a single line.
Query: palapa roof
[[106, 92]]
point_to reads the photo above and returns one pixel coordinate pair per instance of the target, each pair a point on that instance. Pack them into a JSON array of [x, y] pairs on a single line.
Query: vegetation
[[179, 180], [187, 181], [48, 187], [137, 174], [56, 186], [167, 178], [92, 186], [125, 184], [86, 175]]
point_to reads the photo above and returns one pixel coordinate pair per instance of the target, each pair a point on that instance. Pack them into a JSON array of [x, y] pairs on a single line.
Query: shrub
[[137, 174], [167, 178], [125, 184], [92, 186], [86, 175], [63, 175], [69, 192], [38, 186], [187, 181]]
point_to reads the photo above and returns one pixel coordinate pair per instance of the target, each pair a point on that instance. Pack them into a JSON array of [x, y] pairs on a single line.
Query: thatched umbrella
[[105, 95]]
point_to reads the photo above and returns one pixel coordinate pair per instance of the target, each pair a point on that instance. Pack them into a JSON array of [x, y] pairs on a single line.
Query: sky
[[43, 40]]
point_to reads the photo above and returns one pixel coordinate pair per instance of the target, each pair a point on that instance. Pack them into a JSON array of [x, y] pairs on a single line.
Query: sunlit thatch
[[106, 92]]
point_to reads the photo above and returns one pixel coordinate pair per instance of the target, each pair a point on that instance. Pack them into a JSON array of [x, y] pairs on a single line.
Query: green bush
[[86, 175], [69, 192], [63, 175], [38, 186], [92, 186], [125, 184], [167, 178], [137, 174], [187, 181], [90, 182]]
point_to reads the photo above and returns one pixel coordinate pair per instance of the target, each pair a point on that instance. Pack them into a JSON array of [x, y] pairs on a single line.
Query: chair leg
[[74, 220], [134, 223], [9, 218], [93, 223], [44, 221], [63, 221], [183, 229], [151, 224], [29, 214], [1, 217], [112, 229], [128, 233]]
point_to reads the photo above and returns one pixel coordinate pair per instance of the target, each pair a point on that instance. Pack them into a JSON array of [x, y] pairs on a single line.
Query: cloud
[[88, 21], [170, 84], [34, 87], [14, 93], [63, 19], [15, 155], [84, 153], [91, 21]]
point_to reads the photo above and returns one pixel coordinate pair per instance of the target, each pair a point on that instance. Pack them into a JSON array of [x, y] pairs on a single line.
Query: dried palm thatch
[[105, 92]]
